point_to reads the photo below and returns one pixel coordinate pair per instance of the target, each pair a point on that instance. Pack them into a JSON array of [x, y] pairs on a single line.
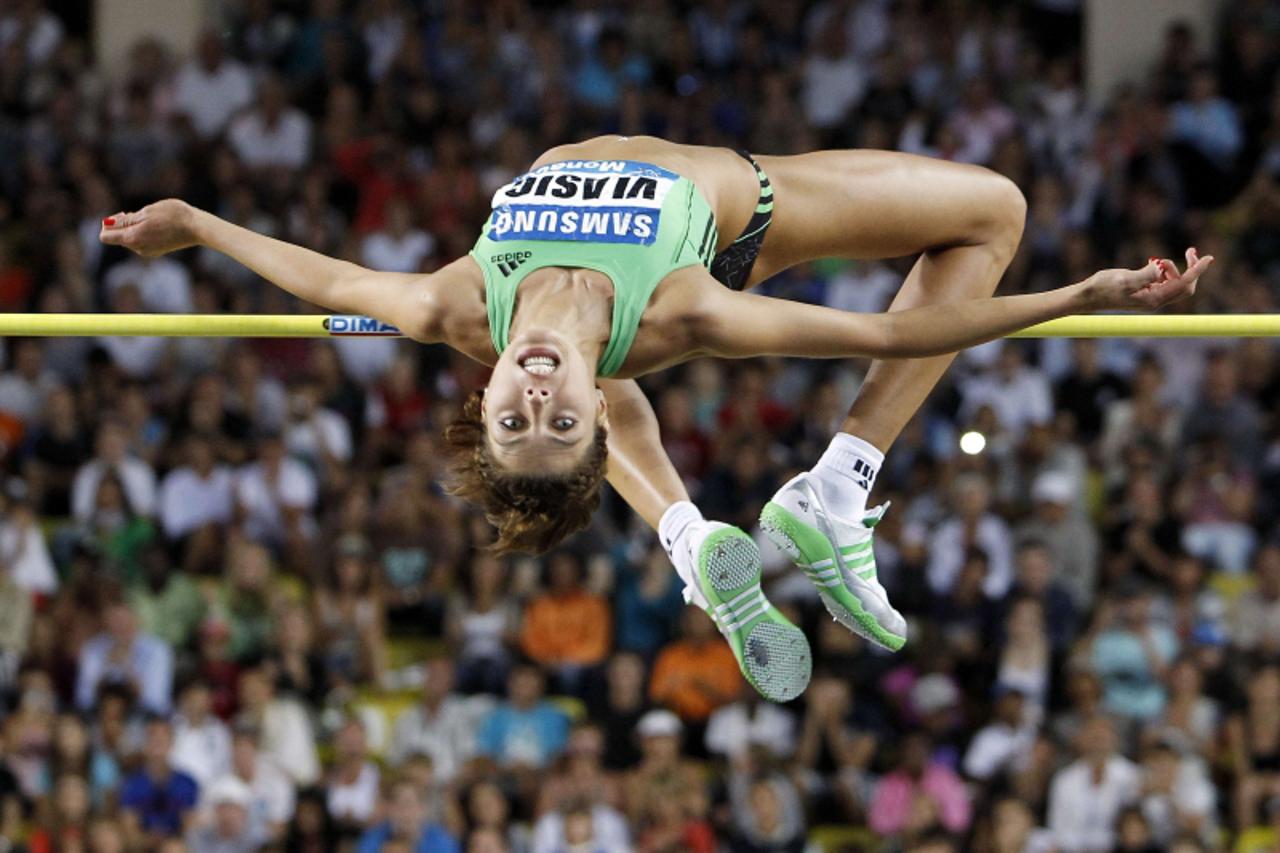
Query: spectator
[[916, 775], [407, 823], [197, 502], [1087, 796], [1069, 537], [696, 674], [567, 629], [201, 742], [272, 796], [1131, 653], [354, 781], [287, 736], [398, 246], [211, 88], [275, 496], [440, 726], [111, 456], [1005, 742], [482, 624], [272, 135], [233, 825], [1256, 623], [973, 525], [156, 800], [122, 654], [525, 731]]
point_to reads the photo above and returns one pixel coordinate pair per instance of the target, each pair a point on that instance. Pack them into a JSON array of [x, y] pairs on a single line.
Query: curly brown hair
[[532, 512]]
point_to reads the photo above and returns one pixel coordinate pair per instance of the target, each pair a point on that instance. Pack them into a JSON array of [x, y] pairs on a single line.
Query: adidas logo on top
[[509, 262]]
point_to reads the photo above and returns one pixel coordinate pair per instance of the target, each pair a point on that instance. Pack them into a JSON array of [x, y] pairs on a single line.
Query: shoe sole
[[772, 653], [807, 546]]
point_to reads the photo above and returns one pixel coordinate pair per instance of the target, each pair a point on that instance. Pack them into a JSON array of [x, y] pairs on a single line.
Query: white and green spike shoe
[[837, 557], [772, 653]]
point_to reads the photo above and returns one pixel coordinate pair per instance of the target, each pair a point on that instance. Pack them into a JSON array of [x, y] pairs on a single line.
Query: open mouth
[[539, 362]]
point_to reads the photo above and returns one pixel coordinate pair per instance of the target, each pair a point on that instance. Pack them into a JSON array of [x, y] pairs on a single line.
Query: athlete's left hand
[[1157, 284]]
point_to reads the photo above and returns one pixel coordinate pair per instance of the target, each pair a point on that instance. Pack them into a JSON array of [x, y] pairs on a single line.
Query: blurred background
[[238, 613]]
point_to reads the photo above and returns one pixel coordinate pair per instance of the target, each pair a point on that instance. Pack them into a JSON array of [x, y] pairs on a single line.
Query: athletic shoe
[[772, 653], [836, 555]]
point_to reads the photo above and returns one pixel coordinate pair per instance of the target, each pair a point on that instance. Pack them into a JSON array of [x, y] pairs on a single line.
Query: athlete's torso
[[601, 209]]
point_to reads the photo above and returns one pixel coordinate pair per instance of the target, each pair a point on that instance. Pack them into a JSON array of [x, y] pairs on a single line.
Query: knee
[[1005, 213]]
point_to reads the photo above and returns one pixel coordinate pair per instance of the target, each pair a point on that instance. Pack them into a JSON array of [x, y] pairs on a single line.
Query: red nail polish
[[109, 221]]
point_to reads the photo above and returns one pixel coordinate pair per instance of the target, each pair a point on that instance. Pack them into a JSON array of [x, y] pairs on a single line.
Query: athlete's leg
[[965, 223], [719, 564]]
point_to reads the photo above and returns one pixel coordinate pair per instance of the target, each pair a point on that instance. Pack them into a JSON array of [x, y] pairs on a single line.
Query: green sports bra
[[635, 222]]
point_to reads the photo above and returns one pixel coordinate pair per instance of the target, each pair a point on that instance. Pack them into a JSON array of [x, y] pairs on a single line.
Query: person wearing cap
[[1071, 539], [231, 826], [662, 770]]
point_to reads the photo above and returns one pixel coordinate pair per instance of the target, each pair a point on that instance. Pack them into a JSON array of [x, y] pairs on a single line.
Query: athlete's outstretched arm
[[638, 467], [742, 325], [401, 299]]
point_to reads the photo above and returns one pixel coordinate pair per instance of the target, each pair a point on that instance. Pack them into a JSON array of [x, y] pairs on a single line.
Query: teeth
[[539, 365]]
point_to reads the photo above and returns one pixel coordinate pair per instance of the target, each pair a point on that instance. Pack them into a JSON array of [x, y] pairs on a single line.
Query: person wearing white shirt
[[833, 81], [441, 726], [211, 88], [1020, 396], [313, 433], [122, 654], [136, 476], [948, 545], [398, 247], [201, 742], [355, 783], [1005, 742], [273, 135], [287, 737], [24, 554], [136, 357], [735, 728], [276, 494], [163, 284], [273, 795], [1087, 796], [200, 494]]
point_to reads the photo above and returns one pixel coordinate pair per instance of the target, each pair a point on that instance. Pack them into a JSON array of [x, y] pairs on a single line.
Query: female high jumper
[[613, 258]]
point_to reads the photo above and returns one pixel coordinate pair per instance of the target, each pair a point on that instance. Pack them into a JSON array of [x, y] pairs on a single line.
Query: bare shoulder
[[454, 310], [678, 321]]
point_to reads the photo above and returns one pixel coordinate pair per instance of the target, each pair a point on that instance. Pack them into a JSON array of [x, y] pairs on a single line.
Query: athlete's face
[[541, 406]]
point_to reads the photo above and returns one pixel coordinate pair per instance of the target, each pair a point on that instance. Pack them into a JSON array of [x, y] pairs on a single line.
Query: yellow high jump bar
[[345, 325]]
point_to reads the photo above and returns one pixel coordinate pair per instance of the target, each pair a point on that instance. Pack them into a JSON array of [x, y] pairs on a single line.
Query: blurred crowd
[[238, 612]]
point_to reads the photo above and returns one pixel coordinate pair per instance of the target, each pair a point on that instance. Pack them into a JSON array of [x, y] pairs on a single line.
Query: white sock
[[672, 529], [845, 473]]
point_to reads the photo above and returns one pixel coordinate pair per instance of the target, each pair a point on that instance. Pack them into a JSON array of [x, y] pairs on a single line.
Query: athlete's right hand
[[156, 229], [1154, 286]]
